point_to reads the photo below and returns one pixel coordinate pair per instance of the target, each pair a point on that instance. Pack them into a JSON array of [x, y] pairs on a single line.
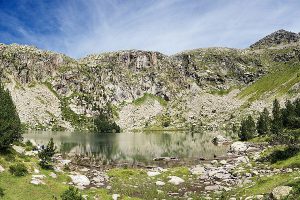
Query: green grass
[[277, 82], [136, 183], [265, 185], [147, 96], [290, 162]]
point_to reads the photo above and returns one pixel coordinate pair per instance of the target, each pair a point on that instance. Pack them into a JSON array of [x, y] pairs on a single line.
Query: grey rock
[[280, 192]]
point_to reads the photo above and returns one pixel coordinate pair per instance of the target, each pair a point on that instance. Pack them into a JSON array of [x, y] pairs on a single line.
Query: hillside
[[211, 88]]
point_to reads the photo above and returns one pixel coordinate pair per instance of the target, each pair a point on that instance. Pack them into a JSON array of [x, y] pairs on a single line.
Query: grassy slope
[[276, 83], [21, 188]]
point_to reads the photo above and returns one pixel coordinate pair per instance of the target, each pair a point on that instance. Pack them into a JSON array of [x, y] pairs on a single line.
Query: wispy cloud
[[81, 27]]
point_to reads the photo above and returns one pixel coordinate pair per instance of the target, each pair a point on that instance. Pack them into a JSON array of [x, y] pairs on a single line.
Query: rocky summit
[[210, 88]]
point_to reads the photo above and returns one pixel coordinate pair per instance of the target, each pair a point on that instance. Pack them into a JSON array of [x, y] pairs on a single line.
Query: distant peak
[[276, 38]]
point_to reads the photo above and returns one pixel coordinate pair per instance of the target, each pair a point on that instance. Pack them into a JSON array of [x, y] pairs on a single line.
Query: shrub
[[46, 155], [247, 130], [104, 125], [10, 125], [18, 169], [71, 194], [1, 192]]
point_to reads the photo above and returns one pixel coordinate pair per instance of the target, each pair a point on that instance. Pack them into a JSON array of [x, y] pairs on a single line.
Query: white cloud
[[169, 26]]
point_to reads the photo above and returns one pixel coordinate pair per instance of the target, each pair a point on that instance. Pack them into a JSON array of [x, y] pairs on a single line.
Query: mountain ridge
[[181, 91]]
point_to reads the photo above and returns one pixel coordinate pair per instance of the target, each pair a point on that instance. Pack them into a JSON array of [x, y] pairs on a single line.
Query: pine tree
[[46, 155], [263, 122], [277, 125], [247, 130], [10, 125]]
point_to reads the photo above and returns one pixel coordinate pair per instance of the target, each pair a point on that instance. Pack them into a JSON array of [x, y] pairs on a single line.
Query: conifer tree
[[247, 130], [263, 122], [10, 125], [277, 125], [46, 155]]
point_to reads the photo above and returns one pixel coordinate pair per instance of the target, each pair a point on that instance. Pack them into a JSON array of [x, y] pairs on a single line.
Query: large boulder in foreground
[[238, 147], [281, 192], [80, 180]]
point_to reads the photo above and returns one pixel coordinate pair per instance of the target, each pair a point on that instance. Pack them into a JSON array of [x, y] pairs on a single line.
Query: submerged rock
[[219, 139]]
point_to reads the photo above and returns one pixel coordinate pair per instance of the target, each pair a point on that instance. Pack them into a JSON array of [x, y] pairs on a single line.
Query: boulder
[[238, 147], [80, 180], [281, 192], [175, 180]]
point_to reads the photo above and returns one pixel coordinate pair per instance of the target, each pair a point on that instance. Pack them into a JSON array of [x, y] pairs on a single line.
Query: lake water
[[131, 146]]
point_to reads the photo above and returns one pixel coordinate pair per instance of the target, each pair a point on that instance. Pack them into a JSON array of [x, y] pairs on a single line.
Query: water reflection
[[130, 146]]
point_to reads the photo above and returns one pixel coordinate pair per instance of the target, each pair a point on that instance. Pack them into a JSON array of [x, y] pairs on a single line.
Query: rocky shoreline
[[208, 177]]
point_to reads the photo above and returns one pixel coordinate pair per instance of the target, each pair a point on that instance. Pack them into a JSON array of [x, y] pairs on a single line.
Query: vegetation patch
[[278, 81], [148, 96]]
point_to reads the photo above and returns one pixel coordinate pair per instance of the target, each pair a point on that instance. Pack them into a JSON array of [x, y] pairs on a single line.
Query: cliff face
[[204, 87]]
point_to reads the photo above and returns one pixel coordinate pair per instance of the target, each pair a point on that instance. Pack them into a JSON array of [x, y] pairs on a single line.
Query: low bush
[[1, 192], [281, 154], [18, 169], [71, 194]]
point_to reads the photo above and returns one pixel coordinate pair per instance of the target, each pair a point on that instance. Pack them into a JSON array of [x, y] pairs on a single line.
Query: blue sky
[[81, 27]]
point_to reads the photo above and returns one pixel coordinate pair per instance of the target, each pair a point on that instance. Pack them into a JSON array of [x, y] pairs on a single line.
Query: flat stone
[[19, 149], [213, 187], [160, 183], [38, 176], [223, 162], [175, 180], [1, 169], [53, 175], [151, 173], [214, 162], [260, 196], [280, 192], [37, 182], [198, 170], [242, 159], [115, 196], [31, 153], [65, 162]]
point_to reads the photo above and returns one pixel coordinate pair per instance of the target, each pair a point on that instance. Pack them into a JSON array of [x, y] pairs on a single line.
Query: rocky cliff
[[209, 88]]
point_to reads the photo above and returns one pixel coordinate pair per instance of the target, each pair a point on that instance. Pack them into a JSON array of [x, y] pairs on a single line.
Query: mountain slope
[[209, 88]]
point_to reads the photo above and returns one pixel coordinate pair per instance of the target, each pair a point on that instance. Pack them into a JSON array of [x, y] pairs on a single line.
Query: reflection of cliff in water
[[176, 144], [130, 146]]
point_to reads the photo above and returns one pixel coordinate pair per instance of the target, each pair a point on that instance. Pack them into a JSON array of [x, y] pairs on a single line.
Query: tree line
[[283, 125]]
